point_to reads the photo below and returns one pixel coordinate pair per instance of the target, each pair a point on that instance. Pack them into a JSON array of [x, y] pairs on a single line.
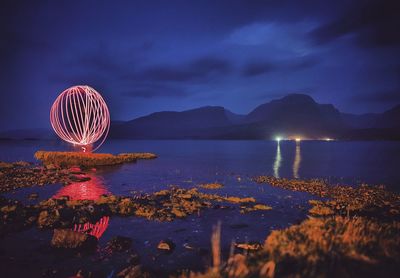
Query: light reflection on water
[[277, 162], [91, 189], [86, 190], [96, 230], [297, 160]]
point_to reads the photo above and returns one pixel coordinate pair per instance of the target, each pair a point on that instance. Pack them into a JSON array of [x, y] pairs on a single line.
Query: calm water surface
[[187, 164]]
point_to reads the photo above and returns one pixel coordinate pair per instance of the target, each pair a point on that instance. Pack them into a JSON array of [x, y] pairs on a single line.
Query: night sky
[[148, 56]]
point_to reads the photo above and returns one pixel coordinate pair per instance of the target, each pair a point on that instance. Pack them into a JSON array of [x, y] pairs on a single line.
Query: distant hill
[[389, 119], [297, 114], [292, 115], [193, 123], [28, 134], [360, 121]]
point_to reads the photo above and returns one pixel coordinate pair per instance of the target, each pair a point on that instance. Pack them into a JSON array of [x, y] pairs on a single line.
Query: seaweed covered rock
[[211, 185], [134, 271], [68, 239], [166, 245], [68, 159], [48, 218], [165, 205], [318, 243], [17, 175]]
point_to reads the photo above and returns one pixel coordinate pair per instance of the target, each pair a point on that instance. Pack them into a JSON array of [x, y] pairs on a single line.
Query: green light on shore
[[278, 139]]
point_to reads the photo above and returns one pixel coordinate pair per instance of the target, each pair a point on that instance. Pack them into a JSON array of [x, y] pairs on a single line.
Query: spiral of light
[[80, 116]]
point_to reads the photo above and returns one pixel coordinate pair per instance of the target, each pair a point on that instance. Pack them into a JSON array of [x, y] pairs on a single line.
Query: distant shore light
[[278, 139], [298, 139], [328, 139]]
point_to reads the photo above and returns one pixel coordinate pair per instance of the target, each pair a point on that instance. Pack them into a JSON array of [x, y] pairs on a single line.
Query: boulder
[[68, 239], [48, 219], [166, 245], [132, 272]]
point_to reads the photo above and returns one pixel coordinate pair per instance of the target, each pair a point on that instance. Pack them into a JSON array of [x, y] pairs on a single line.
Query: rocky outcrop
[[67, 159], [68, 239]]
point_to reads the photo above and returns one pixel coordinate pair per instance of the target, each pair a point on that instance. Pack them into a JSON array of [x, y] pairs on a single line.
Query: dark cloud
[[372, 23], [195, 70], [264, 67], [149, 91], [303, 63], [258, 68]]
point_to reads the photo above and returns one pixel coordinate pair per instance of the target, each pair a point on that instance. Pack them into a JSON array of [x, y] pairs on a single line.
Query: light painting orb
[[80, 116]]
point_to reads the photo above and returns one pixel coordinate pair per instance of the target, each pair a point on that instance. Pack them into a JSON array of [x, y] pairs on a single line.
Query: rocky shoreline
[[350, 232], [355, 232]]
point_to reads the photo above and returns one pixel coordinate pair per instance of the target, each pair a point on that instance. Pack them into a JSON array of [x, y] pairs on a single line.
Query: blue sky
[[148, 56]]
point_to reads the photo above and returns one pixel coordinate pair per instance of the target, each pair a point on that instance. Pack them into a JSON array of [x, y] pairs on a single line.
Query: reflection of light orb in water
[[92, 189], [96, 229], [80, 116]]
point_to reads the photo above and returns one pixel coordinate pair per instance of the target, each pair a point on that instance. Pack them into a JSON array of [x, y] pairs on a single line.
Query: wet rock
[[48, 219], [211, 185], [321, 210], [254, 208], [237, 200], [87, 160], [5, 165], [21, 164], [252, 246], [166, 205], [75, 170], [119, 244], [236, 266], [188, 246], [178, 213], [79, 178], [22, 174], [125, 206], [132, 272], [68, 239], [50, 166], [166, 245], [8, 209]]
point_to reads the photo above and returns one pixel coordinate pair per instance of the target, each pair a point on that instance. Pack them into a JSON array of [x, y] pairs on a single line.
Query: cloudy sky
[[147, 56]]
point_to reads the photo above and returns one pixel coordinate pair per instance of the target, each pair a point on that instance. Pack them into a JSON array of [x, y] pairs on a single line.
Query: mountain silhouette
[[194, 123], [389, 119], [292, 115], [297, 113], [288, 117]]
